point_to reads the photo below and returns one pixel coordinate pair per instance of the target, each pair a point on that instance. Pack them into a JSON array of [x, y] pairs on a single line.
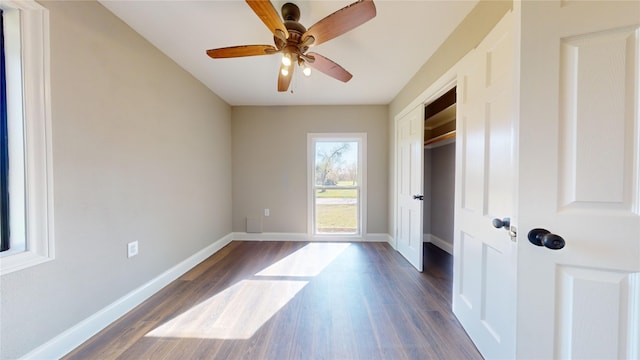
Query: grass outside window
[[336, 218]]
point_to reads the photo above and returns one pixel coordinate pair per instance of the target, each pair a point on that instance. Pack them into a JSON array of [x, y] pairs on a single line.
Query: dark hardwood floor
[[291, 300]]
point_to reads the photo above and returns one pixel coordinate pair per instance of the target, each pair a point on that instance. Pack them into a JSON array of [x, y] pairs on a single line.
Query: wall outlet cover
[[132, 249]]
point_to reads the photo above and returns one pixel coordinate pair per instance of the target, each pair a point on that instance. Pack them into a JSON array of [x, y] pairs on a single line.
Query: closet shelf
[[443, 137]]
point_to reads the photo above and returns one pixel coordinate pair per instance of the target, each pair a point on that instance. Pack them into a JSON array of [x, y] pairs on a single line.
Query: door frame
[[439, 87]]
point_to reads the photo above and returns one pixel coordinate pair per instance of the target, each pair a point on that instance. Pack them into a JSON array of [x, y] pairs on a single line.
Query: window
[[336, 185], [26, 176]]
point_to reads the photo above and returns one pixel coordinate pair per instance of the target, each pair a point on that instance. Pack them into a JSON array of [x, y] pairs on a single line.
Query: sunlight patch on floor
[[235, 313], [239, 311], [306, 262]]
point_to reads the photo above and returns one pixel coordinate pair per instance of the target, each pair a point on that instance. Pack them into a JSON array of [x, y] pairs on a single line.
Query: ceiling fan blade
[[240, 51], [341, 21], [329, 67], [285, 80], [269, 16]]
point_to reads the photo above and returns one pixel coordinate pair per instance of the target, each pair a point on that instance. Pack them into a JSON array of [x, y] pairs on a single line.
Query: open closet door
[[409, 130], [484, 246]]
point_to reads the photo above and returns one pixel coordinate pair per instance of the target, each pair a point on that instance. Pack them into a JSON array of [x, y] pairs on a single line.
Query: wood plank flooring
[[293, 300]]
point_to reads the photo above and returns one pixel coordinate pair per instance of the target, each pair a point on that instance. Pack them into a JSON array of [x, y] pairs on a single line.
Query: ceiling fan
[[293, 40]]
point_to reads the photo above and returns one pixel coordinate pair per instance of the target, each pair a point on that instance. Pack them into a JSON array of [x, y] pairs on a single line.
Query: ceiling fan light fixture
[[306, 70], [284, 72], [286, 59]]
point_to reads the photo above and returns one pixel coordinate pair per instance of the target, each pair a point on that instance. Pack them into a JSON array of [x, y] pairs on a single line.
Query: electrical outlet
[[266, 212], [132, 249]]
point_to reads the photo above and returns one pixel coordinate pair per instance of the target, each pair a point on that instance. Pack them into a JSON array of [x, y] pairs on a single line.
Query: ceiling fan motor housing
[[293, 46]]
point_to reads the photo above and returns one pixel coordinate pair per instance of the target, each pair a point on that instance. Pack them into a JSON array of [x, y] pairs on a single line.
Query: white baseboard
[[378, 238], [442, 244], [81, 332], [243, 236]]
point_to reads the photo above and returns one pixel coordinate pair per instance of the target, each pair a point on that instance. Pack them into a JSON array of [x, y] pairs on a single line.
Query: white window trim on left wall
[[31, 80]]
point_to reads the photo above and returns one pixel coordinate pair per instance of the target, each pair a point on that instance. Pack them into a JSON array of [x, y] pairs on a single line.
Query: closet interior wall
[[439, 171]]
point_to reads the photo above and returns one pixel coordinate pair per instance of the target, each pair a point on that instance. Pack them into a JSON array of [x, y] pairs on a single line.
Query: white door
[[484, 256], [409, 130], [579, 156]]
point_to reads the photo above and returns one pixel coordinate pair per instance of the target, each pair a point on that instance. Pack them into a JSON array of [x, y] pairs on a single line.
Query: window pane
[[336, 163], [336, 191], [336, 211]]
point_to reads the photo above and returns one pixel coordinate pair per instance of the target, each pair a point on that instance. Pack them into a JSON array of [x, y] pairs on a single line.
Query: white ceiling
[[383, 54]]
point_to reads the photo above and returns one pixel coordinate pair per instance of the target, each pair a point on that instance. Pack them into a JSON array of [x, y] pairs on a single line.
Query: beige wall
[[482, 18], [442, 180], [141, 151], [439, 186], [270, 161]]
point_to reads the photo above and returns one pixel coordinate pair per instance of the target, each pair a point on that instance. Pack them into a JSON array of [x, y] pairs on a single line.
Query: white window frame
[[29, 119], [361, 139]]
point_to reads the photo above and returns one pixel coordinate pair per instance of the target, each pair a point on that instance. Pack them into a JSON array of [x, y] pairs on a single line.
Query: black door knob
[[418, 197], [504, 223], [542, 237]]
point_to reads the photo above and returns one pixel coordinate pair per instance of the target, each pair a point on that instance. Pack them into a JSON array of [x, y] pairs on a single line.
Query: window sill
[[20, 261]]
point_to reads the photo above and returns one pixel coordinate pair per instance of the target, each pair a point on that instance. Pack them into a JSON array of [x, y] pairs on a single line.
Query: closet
[[439, 170]]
